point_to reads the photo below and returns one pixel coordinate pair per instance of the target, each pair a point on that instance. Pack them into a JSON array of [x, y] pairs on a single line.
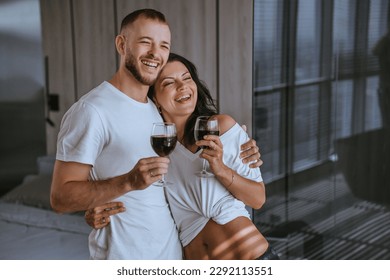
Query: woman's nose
[[182, 86]]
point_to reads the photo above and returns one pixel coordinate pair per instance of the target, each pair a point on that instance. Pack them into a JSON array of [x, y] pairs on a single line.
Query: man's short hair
[[147, 13]]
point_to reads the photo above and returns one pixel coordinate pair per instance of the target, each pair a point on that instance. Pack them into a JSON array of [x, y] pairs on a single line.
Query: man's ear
[[120, 43]]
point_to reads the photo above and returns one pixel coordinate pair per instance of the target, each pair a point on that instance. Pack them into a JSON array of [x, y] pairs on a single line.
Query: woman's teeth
[[183, 98]]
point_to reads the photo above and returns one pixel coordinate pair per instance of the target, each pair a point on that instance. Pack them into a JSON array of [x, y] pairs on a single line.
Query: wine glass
[[205, 126], [163, 141]]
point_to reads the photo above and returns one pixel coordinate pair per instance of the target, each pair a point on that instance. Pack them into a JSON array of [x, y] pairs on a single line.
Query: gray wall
[[78, 39]]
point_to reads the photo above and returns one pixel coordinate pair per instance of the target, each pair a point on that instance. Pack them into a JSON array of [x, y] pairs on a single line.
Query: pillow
[[46, 164], [34, 191]]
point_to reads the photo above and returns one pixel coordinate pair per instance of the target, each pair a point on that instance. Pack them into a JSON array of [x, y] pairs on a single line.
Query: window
[[315, 78]]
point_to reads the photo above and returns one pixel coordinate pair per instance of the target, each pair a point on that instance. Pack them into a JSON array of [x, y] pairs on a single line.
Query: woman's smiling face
[[175, 91]]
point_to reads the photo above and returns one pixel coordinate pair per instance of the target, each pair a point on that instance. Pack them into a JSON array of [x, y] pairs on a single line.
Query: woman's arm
[[250, 192]]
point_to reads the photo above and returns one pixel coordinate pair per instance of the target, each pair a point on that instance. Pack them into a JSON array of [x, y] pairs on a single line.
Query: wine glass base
[[161, 183], [204, 174]]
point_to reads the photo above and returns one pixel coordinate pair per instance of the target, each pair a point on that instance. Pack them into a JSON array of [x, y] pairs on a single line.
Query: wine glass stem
[[204, 166]]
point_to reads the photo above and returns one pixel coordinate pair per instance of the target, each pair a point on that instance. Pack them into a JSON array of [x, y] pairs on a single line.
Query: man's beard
[[131, 65]]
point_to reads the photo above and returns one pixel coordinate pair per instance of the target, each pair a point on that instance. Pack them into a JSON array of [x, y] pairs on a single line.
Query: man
[[104, 151]]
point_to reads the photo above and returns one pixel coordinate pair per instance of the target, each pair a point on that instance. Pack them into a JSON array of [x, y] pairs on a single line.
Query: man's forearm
[[76, 196]]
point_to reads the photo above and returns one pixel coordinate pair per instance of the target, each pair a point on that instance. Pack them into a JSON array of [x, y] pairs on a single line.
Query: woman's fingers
[[99, 217]]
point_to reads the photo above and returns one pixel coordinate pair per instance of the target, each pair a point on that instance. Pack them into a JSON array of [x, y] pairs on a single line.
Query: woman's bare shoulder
[[225, 122]]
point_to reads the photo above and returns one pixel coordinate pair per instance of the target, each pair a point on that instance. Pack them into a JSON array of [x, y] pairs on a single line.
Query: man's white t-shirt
[[111, 131]]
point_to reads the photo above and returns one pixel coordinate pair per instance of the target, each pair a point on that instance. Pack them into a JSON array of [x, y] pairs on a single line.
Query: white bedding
[[30, 233]]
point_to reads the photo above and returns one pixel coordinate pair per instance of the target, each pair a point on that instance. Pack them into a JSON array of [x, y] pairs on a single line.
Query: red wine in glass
[[205, 126], [163, 141], [163, 145]]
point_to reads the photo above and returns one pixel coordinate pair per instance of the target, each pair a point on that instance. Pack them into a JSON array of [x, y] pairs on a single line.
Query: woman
[[210, 213]]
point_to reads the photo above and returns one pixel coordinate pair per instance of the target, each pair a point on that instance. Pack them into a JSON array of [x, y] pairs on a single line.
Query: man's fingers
[[250, 144], [255, 164], [153, 160], [250, 154]]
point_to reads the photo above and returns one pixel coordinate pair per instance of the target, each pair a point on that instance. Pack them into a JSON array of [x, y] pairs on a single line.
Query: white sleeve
[[81, 137]]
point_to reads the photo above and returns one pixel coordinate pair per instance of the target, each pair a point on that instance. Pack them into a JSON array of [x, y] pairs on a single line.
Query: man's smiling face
[[147, 49]]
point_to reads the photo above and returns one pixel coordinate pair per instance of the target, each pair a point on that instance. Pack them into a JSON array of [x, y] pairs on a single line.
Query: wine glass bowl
[[163, 145], [205, 126], [163, 141]]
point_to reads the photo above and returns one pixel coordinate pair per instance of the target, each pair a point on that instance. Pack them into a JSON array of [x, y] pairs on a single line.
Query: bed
[[30, 230]]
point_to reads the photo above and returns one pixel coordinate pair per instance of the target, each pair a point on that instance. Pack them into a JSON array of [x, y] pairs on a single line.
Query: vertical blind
[[315, 78]]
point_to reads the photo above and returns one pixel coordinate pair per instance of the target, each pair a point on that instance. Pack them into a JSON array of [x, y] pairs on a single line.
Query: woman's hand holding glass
[[205, 125], [213, 153]]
